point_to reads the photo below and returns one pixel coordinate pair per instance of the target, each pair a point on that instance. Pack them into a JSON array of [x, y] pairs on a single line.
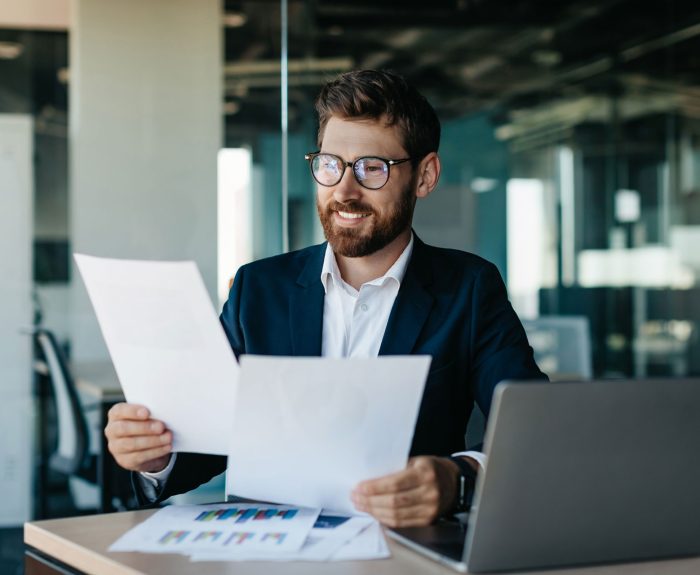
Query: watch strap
[[467, 483]]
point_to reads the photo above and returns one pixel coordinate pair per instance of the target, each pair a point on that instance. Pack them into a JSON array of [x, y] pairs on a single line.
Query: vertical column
[[16, 216], [145, 129]]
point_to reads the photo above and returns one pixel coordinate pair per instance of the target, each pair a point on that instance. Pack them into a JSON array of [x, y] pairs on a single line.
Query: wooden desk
[[81, 544]]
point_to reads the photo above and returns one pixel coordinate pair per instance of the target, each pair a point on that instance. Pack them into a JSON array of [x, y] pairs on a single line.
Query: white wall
[[16, 413], [145, 128]]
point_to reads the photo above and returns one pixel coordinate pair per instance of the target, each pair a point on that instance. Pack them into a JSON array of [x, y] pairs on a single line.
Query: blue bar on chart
[[241, 515], [246, 515]]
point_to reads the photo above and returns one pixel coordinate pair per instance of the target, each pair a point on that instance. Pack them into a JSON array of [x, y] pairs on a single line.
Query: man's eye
[[374, 167]]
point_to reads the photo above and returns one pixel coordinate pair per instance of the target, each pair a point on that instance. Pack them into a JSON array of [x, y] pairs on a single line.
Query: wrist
[[466, 481]]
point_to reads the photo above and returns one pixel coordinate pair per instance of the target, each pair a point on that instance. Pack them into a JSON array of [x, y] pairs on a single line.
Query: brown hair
[[373, 94]]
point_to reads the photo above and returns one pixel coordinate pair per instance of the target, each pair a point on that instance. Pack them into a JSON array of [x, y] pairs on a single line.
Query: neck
[[357, 271]]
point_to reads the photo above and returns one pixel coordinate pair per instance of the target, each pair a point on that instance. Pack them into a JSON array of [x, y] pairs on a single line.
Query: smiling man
[[373, 289]]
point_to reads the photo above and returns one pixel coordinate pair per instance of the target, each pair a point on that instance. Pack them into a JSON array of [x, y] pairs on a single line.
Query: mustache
[[352, 206]]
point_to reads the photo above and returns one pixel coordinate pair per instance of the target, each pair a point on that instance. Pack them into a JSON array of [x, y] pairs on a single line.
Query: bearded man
[[374, 288]]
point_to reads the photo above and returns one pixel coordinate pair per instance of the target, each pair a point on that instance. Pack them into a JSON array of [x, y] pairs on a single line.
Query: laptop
[[579, 473]]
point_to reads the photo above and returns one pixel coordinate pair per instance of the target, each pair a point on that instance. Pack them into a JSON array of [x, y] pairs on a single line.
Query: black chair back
[[72, 455]]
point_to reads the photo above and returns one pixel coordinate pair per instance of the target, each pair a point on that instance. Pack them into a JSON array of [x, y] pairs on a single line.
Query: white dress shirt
[[354, 321], [353, 325]]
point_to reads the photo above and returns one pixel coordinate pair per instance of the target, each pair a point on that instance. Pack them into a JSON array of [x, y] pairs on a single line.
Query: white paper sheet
[[307, 430], [168, 347], [369, 544], [235, 529], [329, 535]]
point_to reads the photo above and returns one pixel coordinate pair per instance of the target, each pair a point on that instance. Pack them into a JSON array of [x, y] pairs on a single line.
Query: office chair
[[72, 457], [562, 346]]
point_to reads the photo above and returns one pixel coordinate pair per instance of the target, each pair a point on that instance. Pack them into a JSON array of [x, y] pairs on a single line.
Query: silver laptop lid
[[588, 472]]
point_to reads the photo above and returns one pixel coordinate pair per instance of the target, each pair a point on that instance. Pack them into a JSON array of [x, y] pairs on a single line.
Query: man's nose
[[347, 188]]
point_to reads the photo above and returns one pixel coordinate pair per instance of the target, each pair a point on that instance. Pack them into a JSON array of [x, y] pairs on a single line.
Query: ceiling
[[528, 62], [470, 55]]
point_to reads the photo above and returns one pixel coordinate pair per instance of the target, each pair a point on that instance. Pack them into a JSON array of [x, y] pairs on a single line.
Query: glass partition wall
[[570, 154], [571, 147]]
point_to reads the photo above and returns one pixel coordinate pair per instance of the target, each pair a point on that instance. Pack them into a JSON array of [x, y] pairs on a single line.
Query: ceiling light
[[231, 108], [10, 50], [546, 58], [63, 75], [234, 19], [483, 185]]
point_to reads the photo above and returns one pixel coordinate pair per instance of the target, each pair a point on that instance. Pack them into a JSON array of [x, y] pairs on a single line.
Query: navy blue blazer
[[451, 305]]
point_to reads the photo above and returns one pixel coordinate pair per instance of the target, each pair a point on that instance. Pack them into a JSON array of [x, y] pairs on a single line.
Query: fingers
[[417, 516], [137, 442], [128, 411], [147, 460], [122, 445], [410, 497], [417, 506], [400, 500], [128, 428], [399, 481], [131, 420], [142, 453]]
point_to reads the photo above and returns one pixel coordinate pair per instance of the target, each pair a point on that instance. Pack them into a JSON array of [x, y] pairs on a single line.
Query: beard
[[357, 243]]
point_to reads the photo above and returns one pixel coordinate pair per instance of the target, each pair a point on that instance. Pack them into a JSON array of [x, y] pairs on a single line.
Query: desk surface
[[98, 379], [82, 543]]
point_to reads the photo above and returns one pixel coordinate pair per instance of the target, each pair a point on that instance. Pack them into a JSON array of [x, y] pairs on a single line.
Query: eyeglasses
[[370, 172]]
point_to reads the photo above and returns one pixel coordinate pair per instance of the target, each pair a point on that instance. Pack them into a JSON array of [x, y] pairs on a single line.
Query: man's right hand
[[136, 441]]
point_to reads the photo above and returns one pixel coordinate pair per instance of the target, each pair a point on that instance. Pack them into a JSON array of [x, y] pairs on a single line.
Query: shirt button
[[364, 307]]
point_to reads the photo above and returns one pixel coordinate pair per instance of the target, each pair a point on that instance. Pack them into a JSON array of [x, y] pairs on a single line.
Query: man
[[374, 288]]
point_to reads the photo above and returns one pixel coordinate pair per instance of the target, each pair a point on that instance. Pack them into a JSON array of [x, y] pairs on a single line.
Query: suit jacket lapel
[[412, 306], [306, 307]]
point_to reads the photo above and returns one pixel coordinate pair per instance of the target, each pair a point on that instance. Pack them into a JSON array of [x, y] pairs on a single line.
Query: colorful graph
[[239, 537], [208, 536], [241, 515], [276, 538], [174, 537]]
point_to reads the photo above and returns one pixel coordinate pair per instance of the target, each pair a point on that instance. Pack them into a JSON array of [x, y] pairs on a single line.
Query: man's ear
[[428, 175]]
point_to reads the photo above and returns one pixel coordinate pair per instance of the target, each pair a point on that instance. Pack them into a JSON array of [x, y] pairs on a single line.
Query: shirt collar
[[396, 271]]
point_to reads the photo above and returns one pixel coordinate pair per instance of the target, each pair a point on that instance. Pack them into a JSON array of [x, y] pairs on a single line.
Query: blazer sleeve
[[500, 349], [190, 471], [230, 314]]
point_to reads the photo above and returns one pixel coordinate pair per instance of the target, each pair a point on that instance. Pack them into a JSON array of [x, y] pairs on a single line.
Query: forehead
[[352, 138]]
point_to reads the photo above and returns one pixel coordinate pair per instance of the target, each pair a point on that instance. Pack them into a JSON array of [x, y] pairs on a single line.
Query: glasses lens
[[327, 169], [371, 172]]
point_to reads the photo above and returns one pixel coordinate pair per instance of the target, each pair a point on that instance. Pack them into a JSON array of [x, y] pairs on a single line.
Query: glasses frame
[[310, 158]]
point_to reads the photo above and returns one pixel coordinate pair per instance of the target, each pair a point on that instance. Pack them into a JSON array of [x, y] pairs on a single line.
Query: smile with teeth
[[351, 215]]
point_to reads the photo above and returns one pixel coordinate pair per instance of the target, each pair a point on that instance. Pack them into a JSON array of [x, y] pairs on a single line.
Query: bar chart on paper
[[229, 528], [220, 539], [242, 515]]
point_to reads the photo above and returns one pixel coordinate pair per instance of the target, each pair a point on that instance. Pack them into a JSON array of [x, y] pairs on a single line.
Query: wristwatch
[[467, 482]]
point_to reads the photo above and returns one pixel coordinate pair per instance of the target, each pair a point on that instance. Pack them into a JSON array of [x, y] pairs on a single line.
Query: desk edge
[[73, 554]]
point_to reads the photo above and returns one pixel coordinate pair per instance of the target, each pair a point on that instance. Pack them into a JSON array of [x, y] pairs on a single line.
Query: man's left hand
[[415, 496]]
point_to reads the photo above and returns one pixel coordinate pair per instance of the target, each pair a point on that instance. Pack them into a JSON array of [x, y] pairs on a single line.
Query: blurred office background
[[176, 129]]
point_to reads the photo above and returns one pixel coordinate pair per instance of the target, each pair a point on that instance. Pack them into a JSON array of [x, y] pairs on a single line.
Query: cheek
[[323, 194]]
